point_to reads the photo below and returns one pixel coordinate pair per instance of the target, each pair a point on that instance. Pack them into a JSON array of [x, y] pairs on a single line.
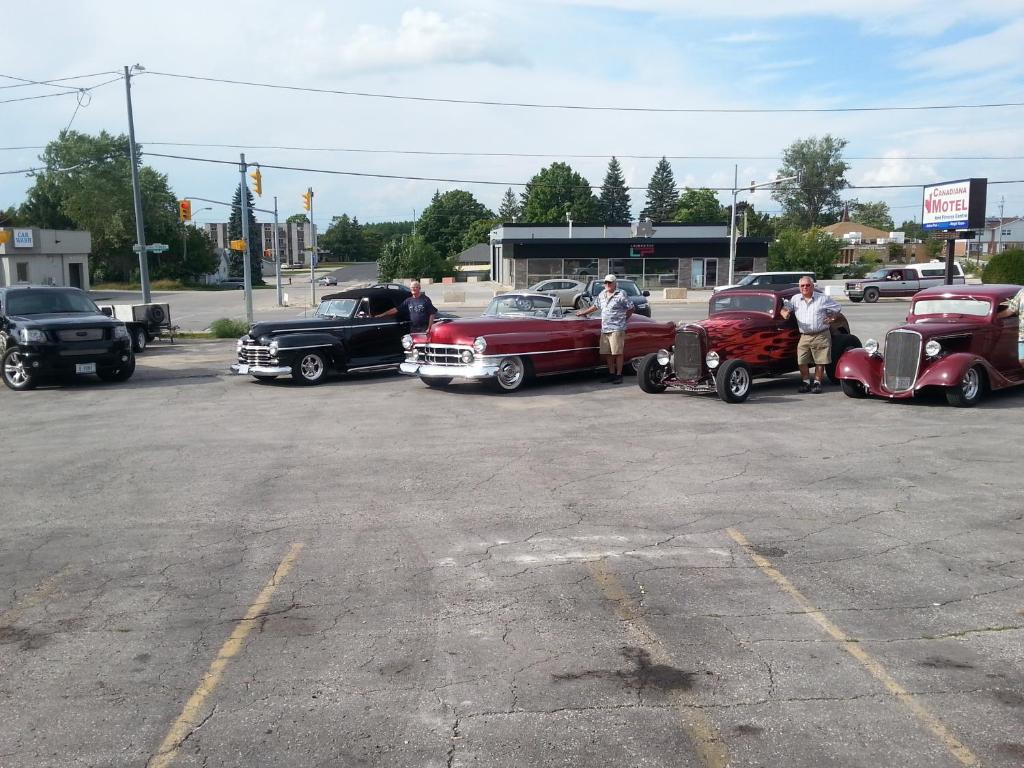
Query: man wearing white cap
[[615, 309]]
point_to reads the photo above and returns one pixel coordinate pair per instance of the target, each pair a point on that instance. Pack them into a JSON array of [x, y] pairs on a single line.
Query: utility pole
[[277, 258], [999, 244], [140, 229], [313, 253], [243, 196]]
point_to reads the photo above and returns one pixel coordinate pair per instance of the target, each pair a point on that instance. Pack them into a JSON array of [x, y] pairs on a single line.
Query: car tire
[[857, 300], [16, 374], [436, 382], [970, 389], [577, 303], [870, 295], [139, 340], [651, 374], [732, 381], [853, 389], [121, 372], [512, 374], [840, 344], [310, 368]]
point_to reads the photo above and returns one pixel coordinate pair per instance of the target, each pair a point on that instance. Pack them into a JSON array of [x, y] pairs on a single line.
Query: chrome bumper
[[241, 369], [475, 371]]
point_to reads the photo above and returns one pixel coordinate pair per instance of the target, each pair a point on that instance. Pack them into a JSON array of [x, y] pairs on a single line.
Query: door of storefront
[[703, 273], [75, 275]]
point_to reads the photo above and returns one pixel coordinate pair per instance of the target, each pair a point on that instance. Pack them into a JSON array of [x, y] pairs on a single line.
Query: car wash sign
[[954, 205]]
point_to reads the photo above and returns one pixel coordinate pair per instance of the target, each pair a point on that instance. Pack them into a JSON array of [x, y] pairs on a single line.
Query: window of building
[[22, 271], [580, 269], [542, 269], [649, 274]]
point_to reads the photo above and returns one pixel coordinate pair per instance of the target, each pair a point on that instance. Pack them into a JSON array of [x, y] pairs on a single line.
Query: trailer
[[145, 322]]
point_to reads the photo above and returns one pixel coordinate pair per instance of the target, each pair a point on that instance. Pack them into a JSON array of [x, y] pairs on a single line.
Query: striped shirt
[[811, 314]]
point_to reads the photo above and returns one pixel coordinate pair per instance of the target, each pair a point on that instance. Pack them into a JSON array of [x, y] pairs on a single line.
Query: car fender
[[857, 365], [291, 343], [530, 342], [949, 370]]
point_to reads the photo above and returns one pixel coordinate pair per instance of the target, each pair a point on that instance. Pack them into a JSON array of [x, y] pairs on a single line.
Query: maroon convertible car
[[520, 335]]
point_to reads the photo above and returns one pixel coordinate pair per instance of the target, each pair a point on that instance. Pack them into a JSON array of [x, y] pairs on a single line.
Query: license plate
[[85, 367], [243, 368]]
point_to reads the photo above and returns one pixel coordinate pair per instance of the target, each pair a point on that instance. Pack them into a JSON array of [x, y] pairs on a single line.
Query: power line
[[26, 81], [73, 92], [586, 107]]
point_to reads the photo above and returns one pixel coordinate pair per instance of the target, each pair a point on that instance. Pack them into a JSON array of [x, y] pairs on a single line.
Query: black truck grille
[[80, 334], [438, 354], [902, 358], [688, 355], [253, 354]]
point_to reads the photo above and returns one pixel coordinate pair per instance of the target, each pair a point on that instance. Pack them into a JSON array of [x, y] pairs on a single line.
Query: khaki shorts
[[814, 348], [613, 342]]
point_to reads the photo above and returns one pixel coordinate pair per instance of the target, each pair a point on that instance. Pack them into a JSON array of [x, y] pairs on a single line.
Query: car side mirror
[[647, 293], [108, 311]]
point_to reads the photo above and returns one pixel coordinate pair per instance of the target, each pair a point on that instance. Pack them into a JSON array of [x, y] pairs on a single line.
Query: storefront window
[[660, 273], [631, 269], [580, 269], [542, 269]]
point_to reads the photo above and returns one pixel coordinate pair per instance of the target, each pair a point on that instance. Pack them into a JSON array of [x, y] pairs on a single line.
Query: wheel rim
[[140, 340], [510, 372], [739, 382], [15, 371], [312, 367], [656, 375], [971, 384]]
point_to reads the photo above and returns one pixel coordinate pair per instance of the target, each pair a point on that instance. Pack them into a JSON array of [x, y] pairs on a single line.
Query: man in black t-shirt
[[418, 309]]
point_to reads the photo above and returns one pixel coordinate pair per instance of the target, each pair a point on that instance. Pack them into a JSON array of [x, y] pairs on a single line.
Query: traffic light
[[307, 199], [184, 210], [257, 181]]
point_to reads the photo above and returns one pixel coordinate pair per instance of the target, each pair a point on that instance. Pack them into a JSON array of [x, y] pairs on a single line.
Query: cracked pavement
[[543, 579]]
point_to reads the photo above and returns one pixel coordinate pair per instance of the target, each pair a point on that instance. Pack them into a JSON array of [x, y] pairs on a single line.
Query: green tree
[[235, 261], [1005, 267], [614, 200], [444, 223], [297, 218], [555, 191], [913, 230], [875, 215], [510, 210], [345, 241], [479, 232], [751, 223], [662, 194], [10, 218], [797, 250], [412, 257], [812, 199], [700, 206]]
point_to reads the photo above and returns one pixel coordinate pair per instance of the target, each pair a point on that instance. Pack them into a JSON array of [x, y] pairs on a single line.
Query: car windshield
[[732, 302], [946, 306], [628, 287], [747, 280], [336, 308], [519, 306], [44, 302], [878, 274]]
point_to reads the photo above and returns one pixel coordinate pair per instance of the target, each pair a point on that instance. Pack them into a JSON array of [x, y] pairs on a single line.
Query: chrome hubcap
[[15, 370], [971, 384], [739, 382], [510, 372], [312, 367]]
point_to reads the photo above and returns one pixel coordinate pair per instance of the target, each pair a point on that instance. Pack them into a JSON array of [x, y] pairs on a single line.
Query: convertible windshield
[[972, 307], [731, 302], [31, 302], [519, 306], [336, 308]]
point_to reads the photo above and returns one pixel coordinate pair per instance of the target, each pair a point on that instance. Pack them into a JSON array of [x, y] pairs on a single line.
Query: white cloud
[[746, 38]]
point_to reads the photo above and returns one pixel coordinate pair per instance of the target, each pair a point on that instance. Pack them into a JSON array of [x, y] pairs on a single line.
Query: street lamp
[[732, 217]]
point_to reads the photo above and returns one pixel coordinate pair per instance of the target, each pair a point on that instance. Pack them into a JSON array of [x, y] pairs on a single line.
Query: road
[[199, 570]]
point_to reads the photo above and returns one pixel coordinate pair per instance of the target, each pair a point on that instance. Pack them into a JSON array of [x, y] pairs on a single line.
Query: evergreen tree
[[614, 200], [662, 194], [235, 265], [510, 210]]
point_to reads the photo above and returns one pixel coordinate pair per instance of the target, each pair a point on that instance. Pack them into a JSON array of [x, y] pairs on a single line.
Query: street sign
[[153, 248], [237, 245]]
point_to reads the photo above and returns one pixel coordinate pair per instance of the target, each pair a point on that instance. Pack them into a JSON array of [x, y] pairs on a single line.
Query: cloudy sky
[[633, 56]]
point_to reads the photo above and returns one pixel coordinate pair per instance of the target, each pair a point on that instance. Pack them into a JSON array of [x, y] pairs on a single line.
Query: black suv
[[47, 330], [344, 334]]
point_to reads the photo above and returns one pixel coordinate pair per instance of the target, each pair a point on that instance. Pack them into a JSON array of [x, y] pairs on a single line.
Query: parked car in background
[[900, 280], [59, 331], [768, 280], [327, 280], [640, 299], [232, 283], [343, 335], [952, 340], [521, 335], [744, 337], [565, 290]]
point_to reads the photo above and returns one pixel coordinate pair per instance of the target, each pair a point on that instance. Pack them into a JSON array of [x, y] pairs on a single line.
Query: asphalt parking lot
[[199, 570]]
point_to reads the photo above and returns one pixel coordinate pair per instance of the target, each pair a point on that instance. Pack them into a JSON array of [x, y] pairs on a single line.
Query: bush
[[1005, 267], [228, 328]]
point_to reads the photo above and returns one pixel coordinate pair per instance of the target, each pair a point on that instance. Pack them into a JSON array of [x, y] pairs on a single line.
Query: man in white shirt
[[814, 314]]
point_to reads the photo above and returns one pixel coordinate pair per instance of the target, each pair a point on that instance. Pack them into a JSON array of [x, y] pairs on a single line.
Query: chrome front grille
[[438, 354], [81, 334], [688, 355], [902, 358], [253, 354]]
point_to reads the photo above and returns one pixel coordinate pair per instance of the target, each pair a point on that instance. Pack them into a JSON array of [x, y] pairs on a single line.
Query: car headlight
[[120, 332], [932, 348], [664, 357], [711, 360], [871, 346], [272, 349], [28, 335], [480, 345], [407, 342], [467, 356]]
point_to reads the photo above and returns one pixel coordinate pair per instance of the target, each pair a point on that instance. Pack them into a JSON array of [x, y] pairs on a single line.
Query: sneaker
[[816, 388], [608, 379], [803, 388], [616, 379]]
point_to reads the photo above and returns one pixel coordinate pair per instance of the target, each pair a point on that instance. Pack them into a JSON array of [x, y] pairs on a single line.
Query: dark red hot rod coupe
[[952, 340], [519, 336]]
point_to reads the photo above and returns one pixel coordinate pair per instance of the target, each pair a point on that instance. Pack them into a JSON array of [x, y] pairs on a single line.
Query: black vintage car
[[46, 330], [344, 334]]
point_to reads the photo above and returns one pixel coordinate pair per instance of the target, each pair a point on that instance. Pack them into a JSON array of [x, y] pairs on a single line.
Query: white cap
[[611, 279]]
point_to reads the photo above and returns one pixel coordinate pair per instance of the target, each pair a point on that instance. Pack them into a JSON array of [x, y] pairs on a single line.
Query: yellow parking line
[[189, 717], [46, 588], [701, 731], [850, 645]]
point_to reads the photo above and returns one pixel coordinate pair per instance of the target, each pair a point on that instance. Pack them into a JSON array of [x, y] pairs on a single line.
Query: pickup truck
[[900, 280]]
